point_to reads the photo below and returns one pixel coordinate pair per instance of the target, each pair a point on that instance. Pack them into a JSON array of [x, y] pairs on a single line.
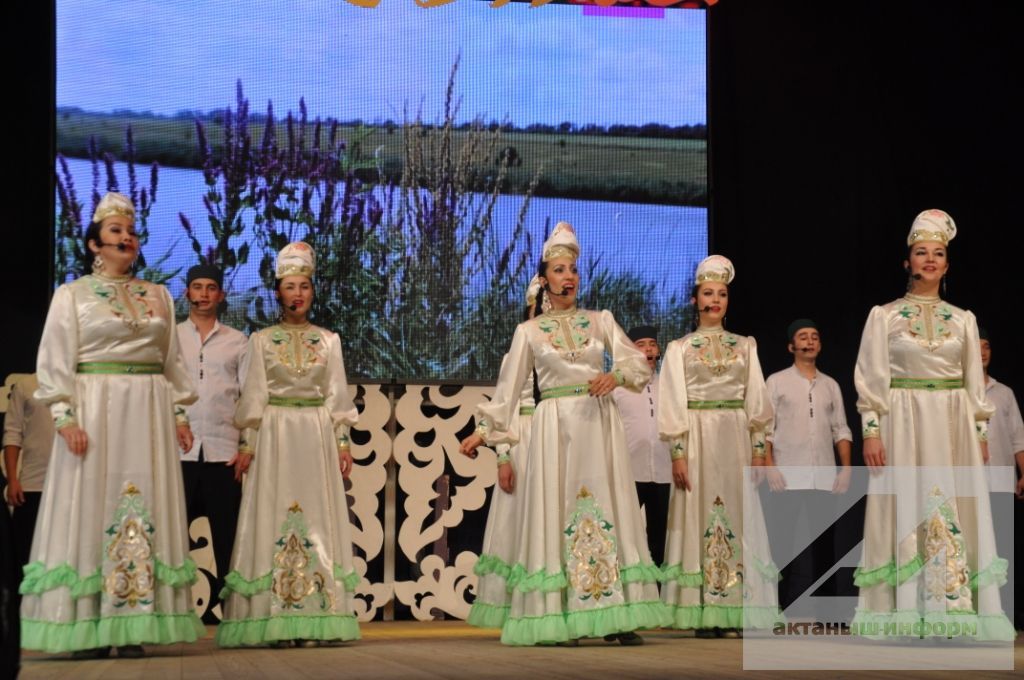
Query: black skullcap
[[640, 332], [982, 333], [205, 271], [797, 325]]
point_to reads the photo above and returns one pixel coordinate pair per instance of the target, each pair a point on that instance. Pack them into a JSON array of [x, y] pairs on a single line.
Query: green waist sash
[[526, 410], [119, 368], [296, 402], [580, 390], [716, 404], [930, 384]]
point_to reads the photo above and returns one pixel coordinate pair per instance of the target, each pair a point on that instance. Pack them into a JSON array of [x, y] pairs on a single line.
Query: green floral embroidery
[[591, 562], [132, 308], [928, 323], [678, 450], [870, 429], [716, 351], [568, 335], [128, 569], [982, 431], [67, 417], [298, 350]]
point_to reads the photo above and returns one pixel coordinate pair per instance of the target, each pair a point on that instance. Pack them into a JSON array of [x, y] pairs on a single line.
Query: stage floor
[[450, 649]]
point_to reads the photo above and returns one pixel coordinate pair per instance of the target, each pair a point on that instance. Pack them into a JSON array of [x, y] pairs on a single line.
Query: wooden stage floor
[[451, 649]]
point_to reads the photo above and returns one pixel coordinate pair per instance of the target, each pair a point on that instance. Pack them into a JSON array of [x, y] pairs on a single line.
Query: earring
[[98, 265], [943, 286], [545, 302]]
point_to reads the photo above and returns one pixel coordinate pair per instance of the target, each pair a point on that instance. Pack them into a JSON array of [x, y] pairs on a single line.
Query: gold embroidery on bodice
[[297, 348], [568, 331], [716, 349], [927, 320]]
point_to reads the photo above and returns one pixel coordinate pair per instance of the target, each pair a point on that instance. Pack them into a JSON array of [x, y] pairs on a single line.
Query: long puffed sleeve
[[673, 412], [871, 376], [57, 360], [254, 397], [338, 401], [756, 402], [629, 365], [498, 419], [183, 388], [974, 377]]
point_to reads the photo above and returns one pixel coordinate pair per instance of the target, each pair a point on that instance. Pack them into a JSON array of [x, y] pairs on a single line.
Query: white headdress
[[715, 268], [296, 259], [113, 204], [932, 225]]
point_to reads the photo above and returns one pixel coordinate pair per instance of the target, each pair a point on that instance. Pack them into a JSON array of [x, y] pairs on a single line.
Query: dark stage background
[[832, 126]]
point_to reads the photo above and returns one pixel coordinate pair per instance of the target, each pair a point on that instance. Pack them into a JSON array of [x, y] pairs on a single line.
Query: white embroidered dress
[[714, 409], [110, 557], [490, 609], [292, 573], [929, 547], [582, 567]]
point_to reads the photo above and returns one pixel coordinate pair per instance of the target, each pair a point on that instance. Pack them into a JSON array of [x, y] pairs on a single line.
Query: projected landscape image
[[424, 154]]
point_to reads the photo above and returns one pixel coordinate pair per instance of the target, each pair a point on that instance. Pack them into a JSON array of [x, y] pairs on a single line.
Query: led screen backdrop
[[425, 154]]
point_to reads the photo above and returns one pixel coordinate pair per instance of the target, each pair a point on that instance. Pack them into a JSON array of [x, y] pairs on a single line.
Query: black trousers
[[10, 577], [23, 525], [211, 491], [654, 499], [807, 563]]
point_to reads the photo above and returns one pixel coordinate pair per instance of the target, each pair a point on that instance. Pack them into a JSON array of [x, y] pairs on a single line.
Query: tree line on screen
[[650, 130], [397, 256]]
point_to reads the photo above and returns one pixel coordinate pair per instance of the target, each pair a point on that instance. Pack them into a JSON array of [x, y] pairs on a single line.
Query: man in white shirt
[[28, 440], [809, 427], [215, 355], [649, 455], [1005, 447]]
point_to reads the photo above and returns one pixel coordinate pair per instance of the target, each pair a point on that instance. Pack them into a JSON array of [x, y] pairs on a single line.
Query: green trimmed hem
[[251, 632], [488, 564], [865, 578], [527, 582], [619, 618], [725, 616], [110, 631], [993, 574], [641, 573], [38, 579], [485, 615], [235, 582], [350, 580], [984, 627], [549, 582], [687, 579]]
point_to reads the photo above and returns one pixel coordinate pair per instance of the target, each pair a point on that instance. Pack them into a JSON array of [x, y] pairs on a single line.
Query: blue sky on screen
[[531, 65]]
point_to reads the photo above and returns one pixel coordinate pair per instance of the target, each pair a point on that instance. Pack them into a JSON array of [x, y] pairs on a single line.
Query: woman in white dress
[[929, 548], [490, 609], [582, 566], [292, 577], [110, 561], [714, 409]]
